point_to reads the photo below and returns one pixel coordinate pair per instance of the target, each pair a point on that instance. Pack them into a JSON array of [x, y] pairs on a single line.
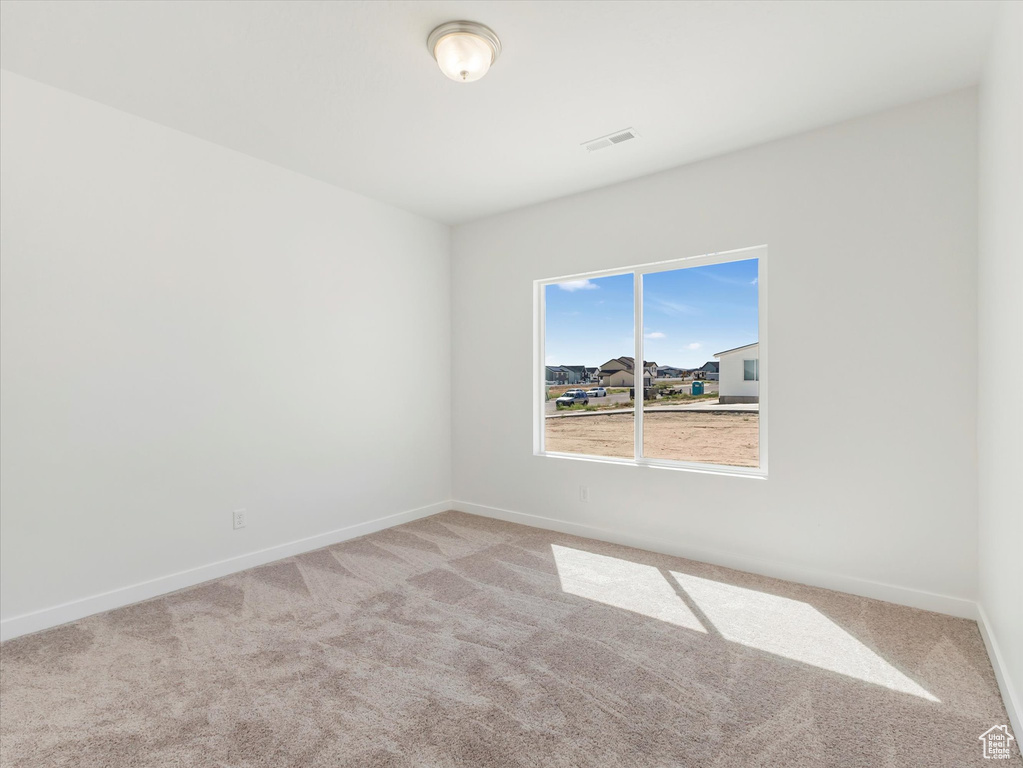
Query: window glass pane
[[700, 326], [749, 370], [588, 344]]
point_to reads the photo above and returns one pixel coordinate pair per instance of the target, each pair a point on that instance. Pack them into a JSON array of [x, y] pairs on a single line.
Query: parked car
[[572, 397], [596, 392]]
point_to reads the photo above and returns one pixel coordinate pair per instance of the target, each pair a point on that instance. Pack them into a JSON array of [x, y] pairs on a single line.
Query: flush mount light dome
[[464, 50]]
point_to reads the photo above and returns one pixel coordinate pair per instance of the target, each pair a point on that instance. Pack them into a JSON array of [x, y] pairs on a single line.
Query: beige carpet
[[461, 641]]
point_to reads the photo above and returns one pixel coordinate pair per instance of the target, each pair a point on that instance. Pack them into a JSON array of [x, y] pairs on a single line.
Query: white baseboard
[[914, 598], [117, 598], [1009, 694]]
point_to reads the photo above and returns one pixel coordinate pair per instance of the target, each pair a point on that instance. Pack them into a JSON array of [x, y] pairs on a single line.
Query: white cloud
[[754, 281], [694, 345], [578, 285], [654, 335]]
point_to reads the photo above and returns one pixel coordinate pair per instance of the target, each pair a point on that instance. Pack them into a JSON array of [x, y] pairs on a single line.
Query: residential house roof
[[629, 363], [736, 349]]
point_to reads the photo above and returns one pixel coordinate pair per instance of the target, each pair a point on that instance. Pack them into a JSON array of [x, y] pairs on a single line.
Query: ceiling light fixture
[[464, 50]]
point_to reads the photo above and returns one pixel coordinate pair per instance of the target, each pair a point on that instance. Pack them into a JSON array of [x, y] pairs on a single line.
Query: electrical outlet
[[239, 518], [584, 494]]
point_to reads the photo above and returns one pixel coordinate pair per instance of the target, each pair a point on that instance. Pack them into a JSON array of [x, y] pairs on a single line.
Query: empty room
[[511, 384]]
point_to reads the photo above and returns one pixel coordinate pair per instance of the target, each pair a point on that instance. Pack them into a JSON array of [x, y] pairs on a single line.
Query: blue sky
[[689, 314]]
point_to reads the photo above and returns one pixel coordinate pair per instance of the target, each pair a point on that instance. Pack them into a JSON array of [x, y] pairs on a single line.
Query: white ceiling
[[346, 92]]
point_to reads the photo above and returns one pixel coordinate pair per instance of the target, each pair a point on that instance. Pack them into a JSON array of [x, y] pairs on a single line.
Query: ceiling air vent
[[610, 140]]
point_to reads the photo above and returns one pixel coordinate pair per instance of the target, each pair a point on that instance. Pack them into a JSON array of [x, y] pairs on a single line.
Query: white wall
[[732, 372], [187, 330], [872, 232], [1000, 426]]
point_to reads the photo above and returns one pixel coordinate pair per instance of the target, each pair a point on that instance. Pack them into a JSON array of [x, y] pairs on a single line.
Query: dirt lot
[[713, 438]]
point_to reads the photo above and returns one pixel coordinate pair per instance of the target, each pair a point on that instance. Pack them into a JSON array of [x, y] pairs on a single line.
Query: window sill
[[756, 473]]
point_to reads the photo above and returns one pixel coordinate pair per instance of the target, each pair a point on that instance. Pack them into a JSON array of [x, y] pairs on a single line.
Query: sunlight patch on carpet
[[792, 629], [622, 584]]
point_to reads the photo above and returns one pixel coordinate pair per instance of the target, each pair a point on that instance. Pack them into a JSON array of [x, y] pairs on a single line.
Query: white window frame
[[539, 360], [756, 368]]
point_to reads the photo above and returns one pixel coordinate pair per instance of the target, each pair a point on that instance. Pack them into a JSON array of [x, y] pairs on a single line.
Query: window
[[686, 337]]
